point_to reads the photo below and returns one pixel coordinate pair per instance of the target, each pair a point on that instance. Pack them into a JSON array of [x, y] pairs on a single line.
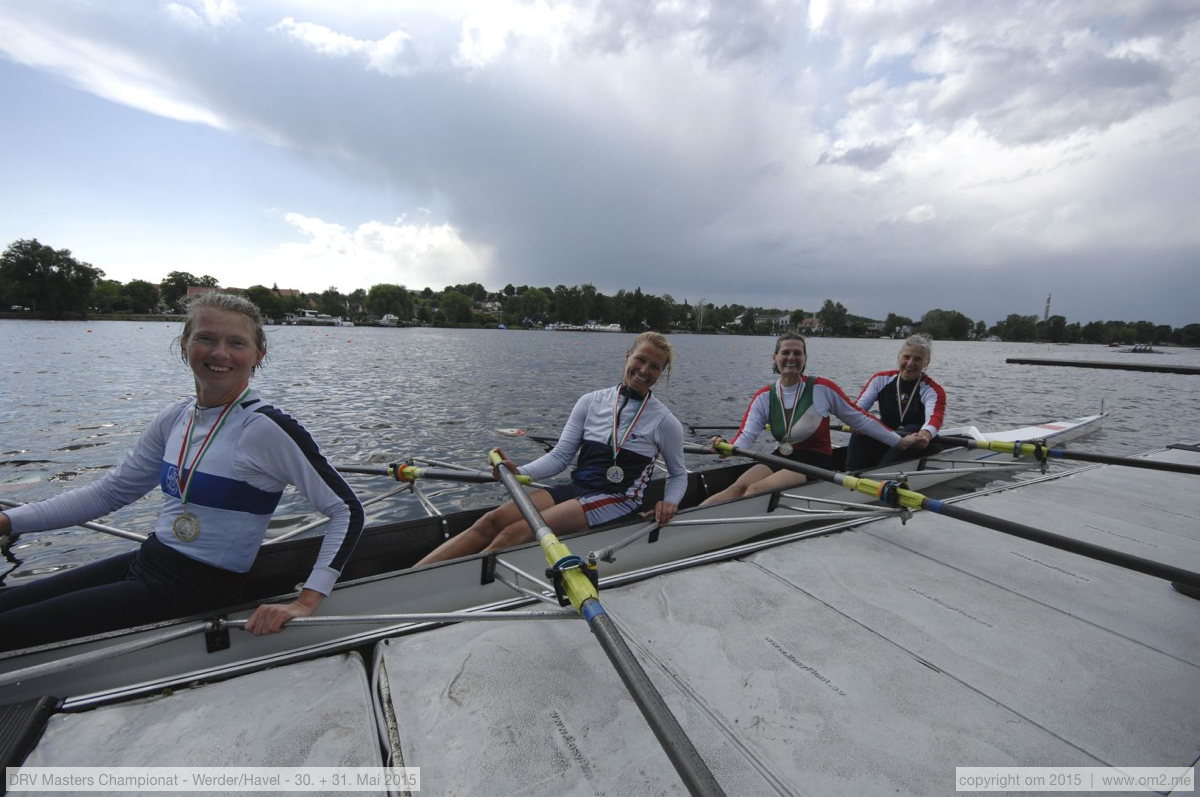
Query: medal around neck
[[785, 449], [615, 474], [186, 527]]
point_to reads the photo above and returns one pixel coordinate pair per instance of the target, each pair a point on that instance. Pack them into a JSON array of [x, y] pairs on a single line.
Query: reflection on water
[[77, 395]]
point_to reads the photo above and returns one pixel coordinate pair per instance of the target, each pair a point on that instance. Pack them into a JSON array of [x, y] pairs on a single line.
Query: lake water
[[76, 395]]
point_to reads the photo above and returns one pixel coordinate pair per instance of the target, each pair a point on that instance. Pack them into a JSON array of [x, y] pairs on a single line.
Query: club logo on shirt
[[170, 483]]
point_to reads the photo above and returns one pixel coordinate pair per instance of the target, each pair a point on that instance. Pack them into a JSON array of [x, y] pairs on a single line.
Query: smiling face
[[222, 352], [643, 366], [789, 360], [911, 362]]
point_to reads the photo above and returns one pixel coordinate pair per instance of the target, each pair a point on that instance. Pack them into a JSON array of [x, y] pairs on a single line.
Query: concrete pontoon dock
[[874, 660], [1124, 366]]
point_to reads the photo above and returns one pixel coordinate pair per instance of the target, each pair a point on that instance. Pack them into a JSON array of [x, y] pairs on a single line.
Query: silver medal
[[186, 527], [615, 474], [785, 449]]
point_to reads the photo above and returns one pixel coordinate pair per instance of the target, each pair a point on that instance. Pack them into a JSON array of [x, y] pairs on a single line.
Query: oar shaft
[[408, 473], [915, 500], [670, 734], [582, 593], [1098, 552], [1032, 449]]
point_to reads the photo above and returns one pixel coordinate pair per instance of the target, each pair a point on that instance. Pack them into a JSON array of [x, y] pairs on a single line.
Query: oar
[[579, 588], [892, 494], [1038, 450], [410, 473], [113, 530]]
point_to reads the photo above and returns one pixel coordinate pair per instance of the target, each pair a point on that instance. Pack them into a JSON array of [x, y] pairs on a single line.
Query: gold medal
[[186, 527], [614, 474], [785, 449]]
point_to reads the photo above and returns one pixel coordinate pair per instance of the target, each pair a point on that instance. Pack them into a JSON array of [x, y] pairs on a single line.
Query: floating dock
[[1130, 366], [873, 660]]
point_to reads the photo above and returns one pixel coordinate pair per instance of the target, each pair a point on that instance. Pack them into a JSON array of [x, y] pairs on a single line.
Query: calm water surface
[[76, 395]]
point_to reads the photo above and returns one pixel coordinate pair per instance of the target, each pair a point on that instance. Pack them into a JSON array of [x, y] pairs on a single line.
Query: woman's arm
[[563, 454], [137, 474], [858, 419]]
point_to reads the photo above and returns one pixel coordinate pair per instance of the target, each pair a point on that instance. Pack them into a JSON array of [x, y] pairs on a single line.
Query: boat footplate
[[21, 726], [216, 637]]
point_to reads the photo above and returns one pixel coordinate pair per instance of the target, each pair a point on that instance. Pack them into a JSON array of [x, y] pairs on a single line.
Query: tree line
[[52, 283]]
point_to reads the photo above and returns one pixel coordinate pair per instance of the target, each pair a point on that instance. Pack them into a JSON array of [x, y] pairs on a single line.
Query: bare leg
[[562, 518], [480, 534], [758, 479], [503, 527], [738, 488]]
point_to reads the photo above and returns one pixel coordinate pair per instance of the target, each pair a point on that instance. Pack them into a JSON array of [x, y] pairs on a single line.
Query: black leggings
[[152, 583], [866, 453]]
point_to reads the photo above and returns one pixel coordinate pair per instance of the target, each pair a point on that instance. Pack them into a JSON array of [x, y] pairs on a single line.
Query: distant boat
[[311, 318], [388, 320]]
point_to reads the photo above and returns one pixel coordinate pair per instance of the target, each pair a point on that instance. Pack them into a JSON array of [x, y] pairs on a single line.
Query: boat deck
[[871, 661]]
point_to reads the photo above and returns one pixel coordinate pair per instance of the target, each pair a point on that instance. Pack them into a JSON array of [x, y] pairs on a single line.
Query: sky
[[895, 156]]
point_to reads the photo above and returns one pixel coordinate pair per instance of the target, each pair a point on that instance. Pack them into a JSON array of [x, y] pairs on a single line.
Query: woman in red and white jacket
[[796, 410]]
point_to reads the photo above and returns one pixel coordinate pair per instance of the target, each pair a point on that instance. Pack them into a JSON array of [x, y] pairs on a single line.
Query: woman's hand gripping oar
[[1040, 451], [890, 493], [579, 588]]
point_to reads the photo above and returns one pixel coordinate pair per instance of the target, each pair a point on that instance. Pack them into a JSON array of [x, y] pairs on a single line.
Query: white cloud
[[204, 13], [101, 67], [402, 253]]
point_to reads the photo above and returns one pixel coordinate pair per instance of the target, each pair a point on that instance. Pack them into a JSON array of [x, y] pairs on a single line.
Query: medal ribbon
[[904, 405], [185, 484], [618, 445], [789, 416]]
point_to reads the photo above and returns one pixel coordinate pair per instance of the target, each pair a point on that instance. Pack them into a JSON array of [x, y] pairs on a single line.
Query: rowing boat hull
[[380, 579]]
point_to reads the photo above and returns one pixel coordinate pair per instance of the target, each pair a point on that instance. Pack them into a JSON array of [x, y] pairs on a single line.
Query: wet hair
[[779, 341], [230, 303], [922, 342], [658, 341]]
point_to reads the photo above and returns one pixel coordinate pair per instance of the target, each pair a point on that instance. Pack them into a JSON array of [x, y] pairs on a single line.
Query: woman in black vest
[[910, 403]]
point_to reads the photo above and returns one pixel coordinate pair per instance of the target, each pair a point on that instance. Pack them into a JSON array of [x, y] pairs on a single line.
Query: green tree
[[455, 307], [106, 297], [1017, 327], [386, 299], [833, 317], [331, 302], [45, 279], [143, 297], [173, 288], [894, 322], [945, 325], [267, 302], [1188, 335]]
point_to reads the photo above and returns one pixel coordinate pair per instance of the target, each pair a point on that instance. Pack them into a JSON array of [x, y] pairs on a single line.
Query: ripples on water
[[77, 395]]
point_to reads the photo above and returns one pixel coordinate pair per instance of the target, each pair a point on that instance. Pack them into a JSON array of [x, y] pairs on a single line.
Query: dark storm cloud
[[894, 158]]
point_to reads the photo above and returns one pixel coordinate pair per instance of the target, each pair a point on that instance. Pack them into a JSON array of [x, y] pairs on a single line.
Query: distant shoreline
[[90, 317]]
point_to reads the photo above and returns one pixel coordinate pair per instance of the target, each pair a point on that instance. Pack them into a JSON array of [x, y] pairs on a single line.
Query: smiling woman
[[222, 460], [617, 432]]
